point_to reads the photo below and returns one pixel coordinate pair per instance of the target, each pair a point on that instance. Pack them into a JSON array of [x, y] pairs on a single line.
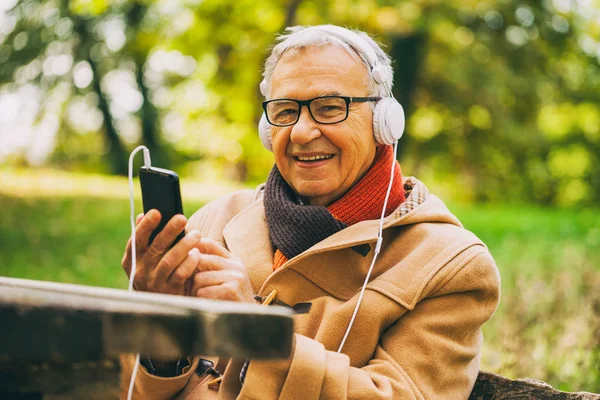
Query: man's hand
[[160, 269], [221, 275]]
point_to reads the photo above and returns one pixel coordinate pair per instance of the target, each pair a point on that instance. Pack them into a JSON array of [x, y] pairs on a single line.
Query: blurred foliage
[[501, 95]]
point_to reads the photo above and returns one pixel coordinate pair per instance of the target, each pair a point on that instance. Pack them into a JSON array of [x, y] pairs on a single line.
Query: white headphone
[[388, 114]]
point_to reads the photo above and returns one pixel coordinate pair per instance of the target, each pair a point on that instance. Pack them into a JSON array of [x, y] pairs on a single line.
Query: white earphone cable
[[147, 163], [375, 253]]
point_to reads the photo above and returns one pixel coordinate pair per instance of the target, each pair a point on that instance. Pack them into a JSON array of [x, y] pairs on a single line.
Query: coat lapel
[[247, 236]]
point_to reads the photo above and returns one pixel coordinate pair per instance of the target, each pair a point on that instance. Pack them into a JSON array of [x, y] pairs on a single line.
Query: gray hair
[[302, 36]]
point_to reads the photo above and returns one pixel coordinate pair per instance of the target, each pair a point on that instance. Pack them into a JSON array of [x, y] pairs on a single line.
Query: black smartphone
[[160, 190]]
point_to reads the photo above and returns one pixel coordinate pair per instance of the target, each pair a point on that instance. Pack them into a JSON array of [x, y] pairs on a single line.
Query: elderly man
[[394, 315]]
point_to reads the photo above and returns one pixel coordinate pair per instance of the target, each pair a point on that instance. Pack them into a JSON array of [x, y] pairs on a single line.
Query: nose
[[306, 129]]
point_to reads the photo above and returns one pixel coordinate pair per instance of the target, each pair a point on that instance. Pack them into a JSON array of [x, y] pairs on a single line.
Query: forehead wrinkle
[[300, 71], [292, 87], [332, 93]]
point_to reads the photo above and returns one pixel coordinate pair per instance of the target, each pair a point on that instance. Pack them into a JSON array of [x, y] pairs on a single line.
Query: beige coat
[[418, 331]]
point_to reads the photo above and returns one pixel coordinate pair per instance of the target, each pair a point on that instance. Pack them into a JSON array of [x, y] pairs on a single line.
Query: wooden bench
[[60, 341]]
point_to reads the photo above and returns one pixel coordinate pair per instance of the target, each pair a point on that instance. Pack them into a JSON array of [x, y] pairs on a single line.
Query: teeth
[[314, 158]]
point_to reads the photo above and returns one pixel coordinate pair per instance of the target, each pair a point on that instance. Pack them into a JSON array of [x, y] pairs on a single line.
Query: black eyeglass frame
[[302, 103]]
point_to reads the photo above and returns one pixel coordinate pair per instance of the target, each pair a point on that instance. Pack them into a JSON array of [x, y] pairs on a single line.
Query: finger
[[126, 260], [187, 288], [220, 292], [144, 229], [161, 243], [231, 290], [211, 262], [210, 246], [139, 218], [142, 232], [213, 278], [174, 257], [183, 272]]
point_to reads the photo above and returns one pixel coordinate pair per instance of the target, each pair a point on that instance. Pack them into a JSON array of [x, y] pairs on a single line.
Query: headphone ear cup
[[388, 121], [380, 74], [263, 88], [264, 131]]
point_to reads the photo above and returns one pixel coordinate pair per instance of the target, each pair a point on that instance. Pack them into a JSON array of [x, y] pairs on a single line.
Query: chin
[[310, 192]]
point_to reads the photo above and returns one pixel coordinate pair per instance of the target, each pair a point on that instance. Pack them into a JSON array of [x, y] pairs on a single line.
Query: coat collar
[[247, 234]]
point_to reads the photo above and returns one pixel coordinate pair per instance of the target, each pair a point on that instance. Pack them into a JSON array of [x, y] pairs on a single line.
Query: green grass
[[548, 322], [547, 327], [66, 239]]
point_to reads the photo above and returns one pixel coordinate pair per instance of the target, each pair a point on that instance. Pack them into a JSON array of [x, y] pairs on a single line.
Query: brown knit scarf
[[293, 228]]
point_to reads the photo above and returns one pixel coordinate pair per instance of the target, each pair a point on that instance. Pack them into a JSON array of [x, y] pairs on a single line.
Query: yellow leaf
[[425, 123], [570, 162], [480, 117], [555, 121]]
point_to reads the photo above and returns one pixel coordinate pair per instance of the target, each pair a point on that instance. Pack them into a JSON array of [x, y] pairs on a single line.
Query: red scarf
[[364, 201]]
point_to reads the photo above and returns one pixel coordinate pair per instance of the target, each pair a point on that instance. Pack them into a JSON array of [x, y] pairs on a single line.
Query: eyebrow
[[334, 93]]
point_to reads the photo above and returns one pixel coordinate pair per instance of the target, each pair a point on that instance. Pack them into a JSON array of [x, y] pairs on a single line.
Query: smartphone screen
[[160, 190]]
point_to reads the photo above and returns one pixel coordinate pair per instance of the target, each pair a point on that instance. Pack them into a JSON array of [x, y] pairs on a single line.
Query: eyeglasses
[[324, 109]]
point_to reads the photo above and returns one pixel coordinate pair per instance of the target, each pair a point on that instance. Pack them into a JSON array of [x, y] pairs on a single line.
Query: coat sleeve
[[430, 352], [148, 386]]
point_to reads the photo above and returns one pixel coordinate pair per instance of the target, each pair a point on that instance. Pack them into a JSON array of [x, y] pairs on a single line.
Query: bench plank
[[63, 323]]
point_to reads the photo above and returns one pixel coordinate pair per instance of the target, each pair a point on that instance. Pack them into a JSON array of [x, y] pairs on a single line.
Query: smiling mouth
[[313, 158]]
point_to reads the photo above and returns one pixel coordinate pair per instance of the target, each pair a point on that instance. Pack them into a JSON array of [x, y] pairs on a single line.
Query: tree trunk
[[407, 53], [116, 156], [149, 119], [147, 113]]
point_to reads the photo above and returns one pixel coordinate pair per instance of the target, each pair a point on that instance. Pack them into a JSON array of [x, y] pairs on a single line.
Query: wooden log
[[490, 386], [62, 323]]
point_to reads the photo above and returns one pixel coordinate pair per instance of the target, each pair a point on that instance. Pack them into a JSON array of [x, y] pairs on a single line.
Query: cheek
[[358, 136], [362, 123], [279, 141], [359, 146]]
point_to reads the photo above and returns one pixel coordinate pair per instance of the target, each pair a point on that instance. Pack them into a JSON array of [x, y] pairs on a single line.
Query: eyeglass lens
[[325, 110]]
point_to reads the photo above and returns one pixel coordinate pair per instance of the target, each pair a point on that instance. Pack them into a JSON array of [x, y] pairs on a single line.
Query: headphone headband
[[379, 72], [351, 38]]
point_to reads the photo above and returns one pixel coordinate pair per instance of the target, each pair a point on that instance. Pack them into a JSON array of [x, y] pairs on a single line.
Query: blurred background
[[503, 124]]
